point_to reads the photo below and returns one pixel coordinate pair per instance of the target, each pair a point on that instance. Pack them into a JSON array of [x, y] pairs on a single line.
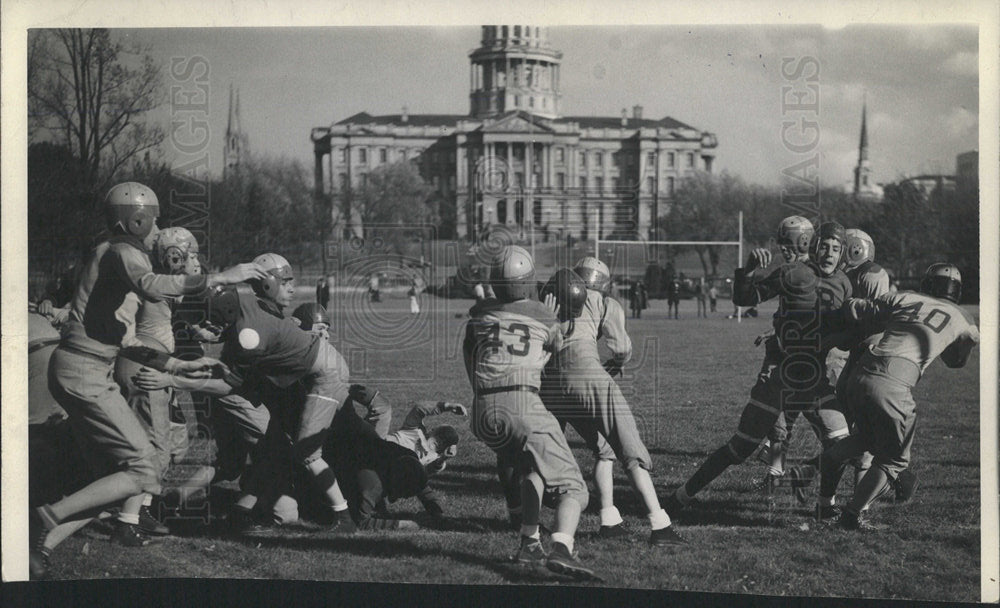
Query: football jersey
[[153, 323], [917, 327], [802, 291], [118, 267], [868, 281], [262, 342], [601, 317], [508, 344]]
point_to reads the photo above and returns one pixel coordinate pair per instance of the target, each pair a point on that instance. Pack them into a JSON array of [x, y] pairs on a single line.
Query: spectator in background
[[702, 294], [673, 295], [414, 304], [713, 297], [323, 292], [638, 298], [373, 288]]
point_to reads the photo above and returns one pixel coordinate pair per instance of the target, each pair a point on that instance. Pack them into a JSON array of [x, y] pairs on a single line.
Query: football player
[[175, 251], [581, 392], [305, 379], [508, 340], [81, 368], [792, 376], [917, 328]]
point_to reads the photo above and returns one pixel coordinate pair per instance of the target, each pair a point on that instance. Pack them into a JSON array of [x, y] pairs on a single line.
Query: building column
[[318, 174]]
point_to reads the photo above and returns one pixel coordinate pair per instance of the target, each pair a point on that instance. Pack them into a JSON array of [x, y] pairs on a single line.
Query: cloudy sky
[[921, 84]]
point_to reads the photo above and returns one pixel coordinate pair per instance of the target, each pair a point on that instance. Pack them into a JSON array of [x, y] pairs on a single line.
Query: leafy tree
[[396, 197], [91, 93]]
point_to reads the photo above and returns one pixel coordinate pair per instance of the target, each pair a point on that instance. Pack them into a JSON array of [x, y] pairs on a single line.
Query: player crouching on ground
[[82, 367], [918, 327], [578, 389], [792, 376], [507, 343], [308, 371]]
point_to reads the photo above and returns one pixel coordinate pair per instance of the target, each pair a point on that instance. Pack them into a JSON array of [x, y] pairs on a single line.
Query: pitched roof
[[417, 120], [615, 122]]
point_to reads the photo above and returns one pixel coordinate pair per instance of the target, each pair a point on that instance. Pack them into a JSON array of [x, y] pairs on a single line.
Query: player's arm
[[151, 380], [613, 329], [957, 353], [754, 283], [874, 313], [429, 498], [554, 339], [872, 285]]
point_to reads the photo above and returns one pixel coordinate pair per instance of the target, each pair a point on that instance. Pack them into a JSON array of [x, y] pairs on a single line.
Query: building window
[[649, 184], [362, 155], [583, 159], [651, 159], [531, 101], [561, 181], [402, 155], [383, 155], [363, 179], [342, 180], [583, 185], [670, 186], [616, 158], [629, 159], [670, 160], [599, 184], [519, 179], [342, 154], [598, 159], [614, 184], [690, 160], [560, 155], [545, 102], [517, 99], [436, 181], [451, 183]]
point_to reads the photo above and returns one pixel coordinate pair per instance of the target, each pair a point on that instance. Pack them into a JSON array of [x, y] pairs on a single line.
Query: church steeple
[[236, 141], [863, 186]]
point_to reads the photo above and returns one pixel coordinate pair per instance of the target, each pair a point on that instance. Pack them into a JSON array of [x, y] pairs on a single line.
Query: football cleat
[[38, 565], [531, 553], [826, 512], [343, 523], [38, 556], [854, 521], [906, 484], [128, 535], [151, 525], [561, 561], [611, 532], [800, 480], [665, 537]]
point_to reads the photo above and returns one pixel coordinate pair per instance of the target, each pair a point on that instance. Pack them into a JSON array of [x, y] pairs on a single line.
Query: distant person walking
[[414, 304], [638, 298], [702, 295], [323, 292], [713, 297], [673, 296], [373, 289]]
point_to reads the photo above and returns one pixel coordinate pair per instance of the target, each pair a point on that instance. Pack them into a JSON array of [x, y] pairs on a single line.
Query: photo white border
[[19, 15]]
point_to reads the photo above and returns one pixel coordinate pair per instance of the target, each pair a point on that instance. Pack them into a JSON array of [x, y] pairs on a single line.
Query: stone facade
[[514, 159]]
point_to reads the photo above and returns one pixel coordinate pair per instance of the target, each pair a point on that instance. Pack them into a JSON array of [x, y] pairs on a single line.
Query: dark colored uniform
[[792, 377]]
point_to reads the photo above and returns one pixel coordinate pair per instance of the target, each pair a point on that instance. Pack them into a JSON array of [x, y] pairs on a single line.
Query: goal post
[[598, 241]]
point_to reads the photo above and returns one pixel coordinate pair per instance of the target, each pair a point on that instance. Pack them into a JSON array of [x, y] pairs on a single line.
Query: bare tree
[[90, 93]]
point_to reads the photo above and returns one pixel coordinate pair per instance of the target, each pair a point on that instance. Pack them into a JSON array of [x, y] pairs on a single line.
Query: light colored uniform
[[81, 371], [153, 329], [917, 329], [580, 392], [506, 347], [868, 281]]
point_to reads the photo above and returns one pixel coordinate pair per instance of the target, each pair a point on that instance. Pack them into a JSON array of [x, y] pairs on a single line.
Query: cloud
[[962, 123], [963, 63]]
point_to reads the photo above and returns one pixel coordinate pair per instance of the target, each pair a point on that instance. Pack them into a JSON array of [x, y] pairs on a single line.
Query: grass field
[[687, 384]]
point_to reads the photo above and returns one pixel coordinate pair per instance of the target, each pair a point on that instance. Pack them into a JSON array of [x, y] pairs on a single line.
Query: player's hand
[[764, 336], [408, 524], [46, 308], [59, 316], [455, 408], [759, 258], [197, 368], [551, 303], [151, 380], [238, 274]]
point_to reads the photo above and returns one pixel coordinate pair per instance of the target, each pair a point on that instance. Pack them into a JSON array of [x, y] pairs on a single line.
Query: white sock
[[659, 519], [774, 471], [147, 500], [610, 516], [530, 531], [827, 501], [566, 539], [341, 507], [129, 518]]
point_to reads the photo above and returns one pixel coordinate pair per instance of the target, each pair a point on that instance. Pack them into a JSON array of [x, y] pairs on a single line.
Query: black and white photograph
[[545, 298]]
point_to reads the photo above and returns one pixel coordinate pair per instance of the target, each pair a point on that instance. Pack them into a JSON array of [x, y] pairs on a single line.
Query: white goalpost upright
[[738, 244]]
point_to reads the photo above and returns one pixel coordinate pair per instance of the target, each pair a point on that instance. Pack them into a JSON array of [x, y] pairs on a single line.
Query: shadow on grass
[[381, 547], [680, 453]]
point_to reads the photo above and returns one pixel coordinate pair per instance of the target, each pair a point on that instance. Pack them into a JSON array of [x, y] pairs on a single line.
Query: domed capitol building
[[515, 159]]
